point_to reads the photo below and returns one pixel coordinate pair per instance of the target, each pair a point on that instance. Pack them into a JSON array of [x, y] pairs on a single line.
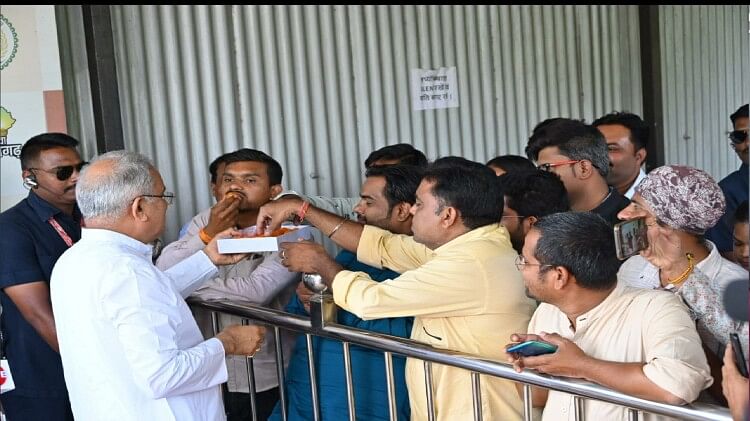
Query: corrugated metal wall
[[705, 78], [320, 87]]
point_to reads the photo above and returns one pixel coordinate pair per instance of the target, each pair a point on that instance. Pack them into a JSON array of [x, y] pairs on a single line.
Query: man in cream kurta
[[457, 280], [638, 342]]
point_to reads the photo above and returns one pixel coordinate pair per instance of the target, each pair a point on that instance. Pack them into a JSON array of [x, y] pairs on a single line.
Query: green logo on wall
[[8, 42]]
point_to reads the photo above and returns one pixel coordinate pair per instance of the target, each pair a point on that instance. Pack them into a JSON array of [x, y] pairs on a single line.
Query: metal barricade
[[389, 345]]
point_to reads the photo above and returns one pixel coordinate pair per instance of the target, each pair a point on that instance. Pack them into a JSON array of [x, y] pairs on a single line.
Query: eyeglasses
[[513, 216], [63, 173], [167, 196], [548, 167], [738, 136], [521, 262]]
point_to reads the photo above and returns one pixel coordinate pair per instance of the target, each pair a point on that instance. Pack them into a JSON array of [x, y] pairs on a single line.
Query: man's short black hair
[[401, 182], [741, 112], [574, 138], [639, 130], [534, 192], [213, 168], [457, 161], [472, 190], [740, 215], [36, 145], [403, 152], [581, 242], [511, 163], [273, 168]]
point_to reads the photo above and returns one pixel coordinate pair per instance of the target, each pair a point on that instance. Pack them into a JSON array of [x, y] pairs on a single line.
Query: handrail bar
[[415, 349]]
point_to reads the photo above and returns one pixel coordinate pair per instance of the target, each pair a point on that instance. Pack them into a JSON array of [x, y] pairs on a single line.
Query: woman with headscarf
[[679, 204]]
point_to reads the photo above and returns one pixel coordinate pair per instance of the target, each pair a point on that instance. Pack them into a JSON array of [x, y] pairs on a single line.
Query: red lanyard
[[64, 235]]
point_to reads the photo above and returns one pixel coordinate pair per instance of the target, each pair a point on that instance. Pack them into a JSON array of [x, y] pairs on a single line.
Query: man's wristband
[[204, 236]]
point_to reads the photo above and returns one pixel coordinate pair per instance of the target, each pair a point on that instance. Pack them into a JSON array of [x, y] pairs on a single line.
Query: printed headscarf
[[685, 198]]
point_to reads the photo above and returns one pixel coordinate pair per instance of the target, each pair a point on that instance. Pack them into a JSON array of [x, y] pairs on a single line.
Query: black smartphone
[[532, 348], [630, 237], [739, 358]]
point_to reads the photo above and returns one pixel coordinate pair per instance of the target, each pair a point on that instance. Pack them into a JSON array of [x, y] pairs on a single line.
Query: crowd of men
[[456, 254]]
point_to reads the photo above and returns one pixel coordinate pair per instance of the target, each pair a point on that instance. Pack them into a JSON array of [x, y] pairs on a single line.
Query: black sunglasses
[[738, 136], [63, 173]]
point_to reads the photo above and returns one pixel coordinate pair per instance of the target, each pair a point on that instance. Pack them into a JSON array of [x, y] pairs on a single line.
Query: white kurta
[[130, 347]]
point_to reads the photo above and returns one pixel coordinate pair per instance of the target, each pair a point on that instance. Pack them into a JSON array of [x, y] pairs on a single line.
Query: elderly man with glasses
[[130, 347], [735, 185], [577, 152]]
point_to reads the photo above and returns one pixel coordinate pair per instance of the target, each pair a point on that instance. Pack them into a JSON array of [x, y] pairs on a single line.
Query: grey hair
[[107, 196]]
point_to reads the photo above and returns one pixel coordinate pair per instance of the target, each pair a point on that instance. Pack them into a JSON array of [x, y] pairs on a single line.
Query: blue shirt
[[368, 366], [735, 188], [29, 249]]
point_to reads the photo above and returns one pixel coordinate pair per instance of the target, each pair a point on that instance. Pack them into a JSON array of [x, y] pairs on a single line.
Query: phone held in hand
[[739, 359], [630, 237], [532, 348]]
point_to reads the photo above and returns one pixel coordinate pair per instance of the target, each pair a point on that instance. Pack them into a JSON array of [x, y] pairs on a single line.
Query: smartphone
[[532, 348], [739, 358], [630, 237]]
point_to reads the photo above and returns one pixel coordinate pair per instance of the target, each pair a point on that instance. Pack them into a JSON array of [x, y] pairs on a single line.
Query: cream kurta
[[466, 296], [631, 325]]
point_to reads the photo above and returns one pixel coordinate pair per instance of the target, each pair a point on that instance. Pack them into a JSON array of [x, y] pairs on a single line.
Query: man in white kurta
[[129, 345]]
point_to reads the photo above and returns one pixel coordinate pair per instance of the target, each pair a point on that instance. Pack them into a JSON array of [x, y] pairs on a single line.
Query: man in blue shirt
[[735, 185], [386, 197], [36, 232]]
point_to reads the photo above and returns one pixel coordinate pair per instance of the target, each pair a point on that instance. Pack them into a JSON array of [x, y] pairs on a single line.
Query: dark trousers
[[238, 405], [22, 408]]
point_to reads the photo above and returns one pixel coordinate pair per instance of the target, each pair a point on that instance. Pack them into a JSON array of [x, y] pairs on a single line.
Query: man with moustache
[[386, 198], [627, 136], [35, 233], [249, 179]]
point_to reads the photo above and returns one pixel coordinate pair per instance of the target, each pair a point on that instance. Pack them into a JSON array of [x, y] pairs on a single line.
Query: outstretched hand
[[274, 213]]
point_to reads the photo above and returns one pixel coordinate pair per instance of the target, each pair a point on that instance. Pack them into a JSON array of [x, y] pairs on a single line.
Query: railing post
[[391, 386], [251, 381], [313, 380], [280, 370], [632, 414], [428, 389], [528, 403], [578, 408], [476, 393], [349, 382]]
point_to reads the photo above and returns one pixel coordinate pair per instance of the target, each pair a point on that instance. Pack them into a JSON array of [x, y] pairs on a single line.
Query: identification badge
[[6, 378]]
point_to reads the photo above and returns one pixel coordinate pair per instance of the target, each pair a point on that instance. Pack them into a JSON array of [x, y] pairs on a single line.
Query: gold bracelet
[[684, 275], [336, 228]]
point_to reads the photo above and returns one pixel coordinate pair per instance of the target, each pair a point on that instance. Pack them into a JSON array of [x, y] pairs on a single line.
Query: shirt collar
[[712, 263], [46, 210], [601, 308], [108, 236], [631, 191], [491, 230]]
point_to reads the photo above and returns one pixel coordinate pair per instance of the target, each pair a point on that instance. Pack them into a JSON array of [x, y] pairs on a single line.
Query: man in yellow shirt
[[458, 280]]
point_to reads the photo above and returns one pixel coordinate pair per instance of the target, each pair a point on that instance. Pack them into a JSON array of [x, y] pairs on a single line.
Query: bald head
[[109, 184]]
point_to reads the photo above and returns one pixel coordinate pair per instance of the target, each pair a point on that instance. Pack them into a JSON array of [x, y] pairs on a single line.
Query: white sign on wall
[[432, 89]]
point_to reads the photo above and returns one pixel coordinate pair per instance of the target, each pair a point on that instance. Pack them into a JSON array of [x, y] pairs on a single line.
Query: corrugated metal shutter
[[705, 68], [320, 87]]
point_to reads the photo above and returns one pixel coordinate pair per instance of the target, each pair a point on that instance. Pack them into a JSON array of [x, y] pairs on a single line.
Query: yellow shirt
[[631, 325], [466, 296]]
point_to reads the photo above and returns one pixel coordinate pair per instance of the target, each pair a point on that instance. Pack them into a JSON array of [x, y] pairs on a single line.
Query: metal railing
[[476, 365]]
